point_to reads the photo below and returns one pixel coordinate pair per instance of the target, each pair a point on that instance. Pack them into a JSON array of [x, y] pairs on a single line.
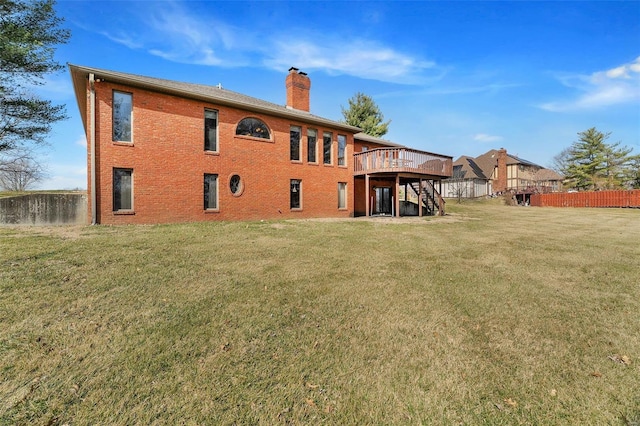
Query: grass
[[490, 315]]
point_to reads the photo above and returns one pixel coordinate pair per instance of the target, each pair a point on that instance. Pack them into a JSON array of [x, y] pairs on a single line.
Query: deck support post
[[397, 198], [420, 197], [367, 195]]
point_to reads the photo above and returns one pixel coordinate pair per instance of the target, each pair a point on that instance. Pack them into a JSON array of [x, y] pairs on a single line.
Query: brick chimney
[[500, 184], [298, 87]]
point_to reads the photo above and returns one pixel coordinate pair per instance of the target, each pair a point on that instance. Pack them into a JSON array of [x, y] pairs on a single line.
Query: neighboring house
[[164, 151], [467, 181], [496, 172]]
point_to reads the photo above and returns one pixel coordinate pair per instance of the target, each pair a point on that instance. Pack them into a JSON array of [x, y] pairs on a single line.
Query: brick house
[[497, 171], [162, 151]]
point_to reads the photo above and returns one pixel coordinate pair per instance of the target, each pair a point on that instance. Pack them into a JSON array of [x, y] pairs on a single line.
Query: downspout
[[92, 142]]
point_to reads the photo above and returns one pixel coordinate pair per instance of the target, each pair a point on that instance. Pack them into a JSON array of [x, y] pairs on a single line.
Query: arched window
[[253, 127]]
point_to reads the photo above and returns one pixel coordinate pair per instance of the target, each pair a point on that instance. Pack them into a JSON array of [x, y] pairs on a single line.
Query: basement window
[[122, 190], [210, 192], [253, 127], [296, 194], [342, 195]]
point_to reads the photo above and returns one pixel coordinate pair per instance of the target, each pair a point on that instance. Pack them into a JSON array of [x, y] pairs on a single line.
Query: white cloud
[[360, 58], [127, 40], [176, 34], [483, 137], [618, 85], [171, 32]]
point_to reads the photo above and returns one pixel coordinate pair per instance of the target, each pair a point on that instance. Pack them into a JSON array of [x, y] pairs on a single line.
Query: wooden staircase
[[431, 200]]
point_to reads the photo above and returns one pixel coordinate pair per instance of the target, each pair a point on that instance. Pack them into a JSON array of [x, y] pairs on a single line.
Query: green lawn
[[490, 315]]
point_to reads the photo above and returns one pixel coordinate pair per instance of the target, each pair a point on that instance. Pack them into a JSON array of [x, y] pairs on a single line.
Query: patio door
[[383, 200]]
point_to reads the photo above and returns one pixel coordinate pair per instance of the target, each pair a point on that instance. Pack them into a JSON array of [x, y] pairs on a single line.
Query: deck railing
[[397, 160]]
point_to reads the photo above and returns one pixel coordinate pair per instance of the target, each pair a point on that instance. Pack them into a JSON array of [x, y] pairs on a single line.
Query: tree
[[29, 31], [560, 161], [364, 113], [592, 164], [632, 175], [458, 185], [19, 170]]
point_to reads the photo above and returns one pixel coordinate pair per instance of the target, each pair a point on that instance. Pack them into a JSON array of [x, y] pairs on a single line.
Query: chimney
[[500, 184], [298, 87]]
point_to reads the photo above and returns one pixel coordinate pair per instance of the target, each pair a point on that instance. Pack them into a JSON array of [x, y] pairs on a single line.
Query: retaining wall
[[44, 209]]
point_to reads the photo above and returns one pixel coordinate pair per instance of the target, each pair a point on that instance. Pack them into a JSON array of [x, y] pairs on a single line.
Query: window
[[342, 195], [342, 147], [122, 111], [253, 127], [295, 133], [365, 148], [235, 185], [122, 189], [210, 130], [210, 192], [295, 190], [326, 147], [311, 146]]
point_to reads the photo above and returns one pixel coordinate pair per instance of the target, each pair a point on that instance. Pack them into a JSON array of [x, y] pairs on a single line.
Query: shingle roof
[[468, 168], [213, 94], [547, 174], [487, 162]]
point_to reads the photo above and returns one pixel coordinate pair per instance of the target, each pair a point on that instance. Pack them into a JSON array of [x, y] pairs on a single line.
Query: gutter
[[92, 143]]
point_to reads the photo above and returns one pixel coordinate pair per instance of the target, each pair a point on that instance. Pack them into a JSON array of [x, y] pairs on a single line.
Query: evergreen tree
[[29, 31], [364, 113], [632, 175], [591, 164]]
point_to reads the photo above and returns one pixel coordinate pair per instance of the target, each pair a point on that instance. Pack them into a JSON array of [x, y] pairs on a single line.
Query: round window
[[235, 184]]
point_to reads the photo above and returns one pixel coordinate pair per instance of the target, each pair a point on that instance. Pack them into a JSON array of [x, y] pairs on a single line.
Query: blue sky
[[456, 78]]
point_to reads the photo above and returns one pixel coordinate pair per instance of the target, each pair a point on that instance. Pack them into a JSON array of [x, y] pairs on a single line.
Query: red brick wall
[[168, 161], [298, 90], [500, 184]]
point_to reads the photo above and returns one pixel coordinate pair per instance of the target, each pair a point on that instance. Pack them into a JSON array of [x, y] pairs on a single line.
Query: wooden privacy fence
[[588, 199]]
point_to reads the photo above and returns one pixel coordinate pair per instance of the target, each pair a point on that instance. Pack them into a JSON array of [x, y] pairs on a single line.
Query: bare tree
[[458, 184], [19, 170]]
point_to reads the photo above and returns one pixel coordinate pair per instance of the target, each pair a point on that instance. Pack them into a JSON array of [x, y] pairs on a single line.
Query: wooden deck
[[402, 160]]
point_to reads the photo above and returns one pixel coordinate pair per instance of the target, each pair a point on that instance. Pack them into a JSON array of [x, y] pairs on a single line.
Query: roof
[[468, 169], [212, 94], [372, 139], [547, 174], [512, 159], [487, 162]]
